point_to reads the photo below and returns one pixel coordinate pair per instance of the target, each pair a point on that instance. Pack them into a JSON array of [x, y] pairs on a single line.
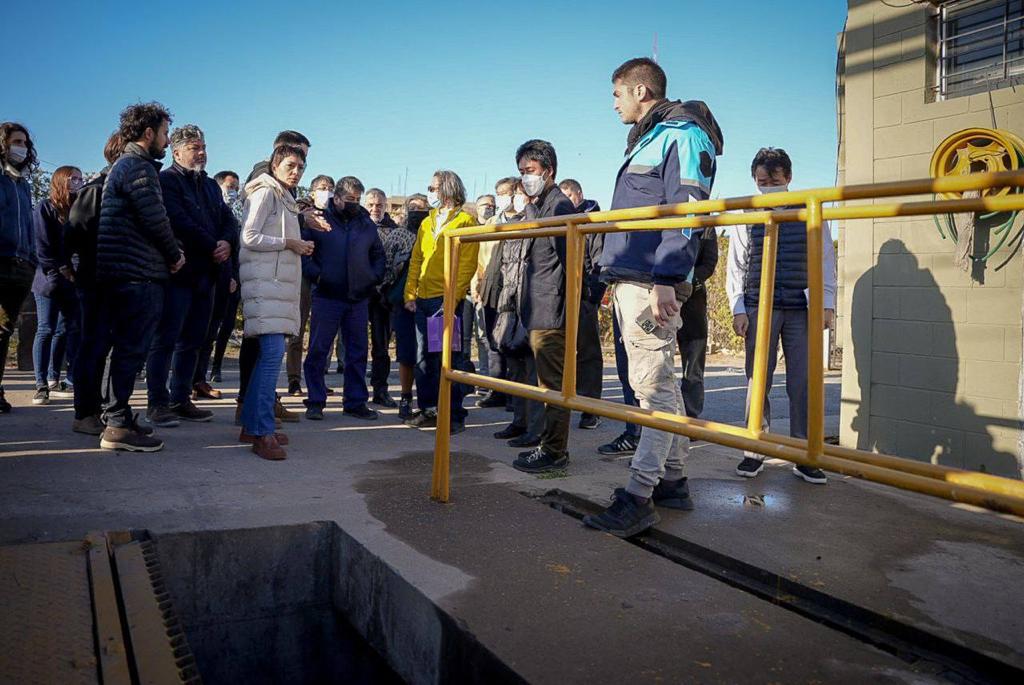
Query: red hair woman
[[53, 287]]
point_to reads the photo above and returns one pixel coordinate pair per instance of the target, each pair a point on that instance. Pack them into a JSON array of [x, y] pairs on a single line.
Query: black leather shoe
[[510, 431], [383, 399]]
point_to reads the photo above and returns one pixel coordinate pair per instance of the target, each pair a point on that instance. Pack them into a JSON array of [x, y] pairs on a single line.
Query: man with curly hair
[[136, 252]]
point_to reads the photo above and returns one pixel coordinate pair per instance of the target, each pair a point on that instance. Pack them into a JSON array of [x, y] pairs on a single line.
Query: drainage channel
[[954, 662]]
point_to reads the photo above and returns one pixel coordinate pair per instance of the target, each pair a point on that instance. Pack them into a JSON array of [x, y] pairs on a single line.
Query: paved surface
[[947, 570]]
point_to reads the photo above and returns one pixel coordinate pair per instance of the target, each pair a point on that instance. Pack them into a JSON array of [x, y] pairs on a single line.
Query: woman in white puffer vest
[[270, 262]]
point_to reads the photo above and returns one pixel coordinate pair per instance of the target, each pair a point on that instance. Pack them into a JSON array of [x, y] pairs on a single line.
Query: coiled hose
[[979, 150]]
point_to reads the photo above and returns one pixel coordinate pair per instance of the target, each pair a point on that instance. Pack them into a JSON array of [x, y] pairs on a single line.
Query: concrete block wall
[[932, 355]]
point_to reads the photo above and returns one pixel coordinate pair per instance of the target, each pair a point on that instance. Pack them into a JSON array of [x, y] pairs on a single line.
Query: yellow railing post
[[815, 326], [765, 307], [442, 442], [574, 241]]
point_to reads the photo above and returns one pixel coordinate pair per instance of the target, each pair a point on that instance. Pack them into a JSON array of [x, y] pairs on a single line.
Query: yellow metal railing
[[992, 492]]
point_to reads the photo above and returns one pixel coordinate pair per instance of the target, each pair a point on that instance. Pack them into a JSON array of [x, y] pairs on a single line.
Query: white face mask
[[519, 203], [321, 198], [433, 200], [533, 184], [17, 154], [765, 190], [502, 202]]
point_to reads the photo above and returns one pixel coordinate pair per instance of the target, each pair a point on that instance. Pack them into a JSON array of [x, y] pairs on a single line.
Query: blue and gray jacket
[[17, 237], [670, 159]]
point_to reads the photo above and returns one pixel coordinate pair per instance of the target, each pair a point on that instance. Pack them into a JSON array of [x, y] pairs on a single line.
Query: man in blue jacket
[[345, 268], [670, 159], [17, 243], [206, 229]]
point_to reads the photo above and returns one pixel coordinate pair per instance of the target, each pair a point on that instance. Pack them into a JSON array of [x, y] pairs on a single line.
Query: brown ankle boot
[[281, 438], [266, 447]]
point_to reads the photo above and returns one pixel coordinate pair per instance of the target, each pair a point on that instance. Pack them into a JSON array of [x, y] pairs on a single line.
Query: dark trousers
[[247, 358], [622, 371], [57, 335], [428, 364], [693, 344], [130, 313], [789, 326], [589, 360], [549, 355], [526, 413], [293, 359], [221, 295], [226, 328], [15, 284], [326, 318], [178, 340], [380, 341], [92, 354]]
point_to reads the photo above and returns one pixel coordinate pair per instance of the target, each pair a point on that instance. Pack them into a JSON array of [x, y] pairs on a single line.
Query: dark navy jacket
[[199, 218], [50, 251], [790, 267], [542, 295], [670, 160], [83, 227], [348, 261], [16, 236]]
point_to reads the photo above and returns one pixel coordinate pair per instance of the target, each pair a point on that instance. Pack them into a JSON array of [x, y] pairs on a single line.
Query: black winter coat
[[542, 296], [135, 240], [199, 218], [83, 228]]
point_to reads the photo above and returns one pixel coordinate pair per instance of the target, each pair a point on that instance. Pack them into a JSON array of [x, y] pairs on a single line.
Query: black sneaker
[[525, 441], [539, 461], [810, 474], [510, 431], [491, 399], [625, 517], [315, 411], [162, 417], [405, 411], [362, 412], [673, 494], [589, 422], [750, 467], [42, 396], [425, 419], [383, 399], [622, 445], [294, 388], [5, 406], [190, 412]]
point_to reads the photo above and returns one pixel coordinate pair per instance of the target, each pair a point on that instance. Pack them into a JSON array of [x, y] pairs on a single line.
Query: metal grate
[[981, 46]]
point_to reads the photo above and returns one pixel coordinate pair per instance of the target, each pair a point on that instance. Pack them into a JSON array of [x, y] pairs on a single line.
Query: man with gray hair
[[206, 230], [379, 309]]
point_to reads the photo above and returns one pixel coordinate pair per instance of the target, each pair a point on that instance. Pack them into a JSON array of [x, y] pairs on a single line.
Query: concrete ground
[[882, 571]]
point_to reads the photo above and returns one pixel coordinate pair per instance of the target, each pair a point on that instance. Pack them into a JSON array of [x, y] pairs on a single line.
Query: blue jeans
[[129, 314], [57, 332], [179, 337], [428, 364], [327, 317], [622, 371], [260, 395]]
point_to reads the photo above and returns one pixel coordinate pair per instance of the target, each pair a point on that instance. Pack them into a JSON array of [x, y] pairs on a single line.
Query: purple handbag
[[435, 332]]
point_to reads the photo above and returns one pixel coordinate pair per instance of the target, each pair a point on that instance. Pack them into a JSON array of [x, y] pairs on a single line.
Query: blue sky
[[384, 86]]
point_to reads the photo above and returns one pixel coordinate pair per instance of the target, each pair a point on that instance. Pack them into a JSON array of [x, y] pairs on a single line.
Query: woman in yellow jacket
[[424, 293]]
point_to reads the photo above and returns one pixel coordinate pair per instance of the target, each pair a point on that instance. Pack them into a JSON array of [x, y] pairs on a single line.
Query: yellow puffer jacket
[[426, 266]]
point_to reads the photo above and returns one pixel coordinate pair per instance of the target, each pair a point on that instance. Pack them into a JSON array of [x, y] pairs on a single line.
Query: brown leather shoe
[[206, 391], [283, 414], [266, 447], [281, 438]]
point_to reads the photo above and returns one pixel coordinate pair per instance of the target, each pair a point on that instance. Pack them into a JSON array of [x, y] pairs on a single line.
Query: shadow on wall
[[912, 389]]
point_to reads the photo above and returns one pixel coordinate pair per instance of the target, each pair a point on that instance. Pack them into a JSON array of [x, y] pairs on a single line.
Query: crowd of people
[[140, 272]]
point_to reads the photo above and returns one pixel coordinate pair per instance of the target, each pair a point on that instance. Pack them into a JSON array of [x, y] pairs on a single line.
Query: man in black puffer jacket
[[135, 254]]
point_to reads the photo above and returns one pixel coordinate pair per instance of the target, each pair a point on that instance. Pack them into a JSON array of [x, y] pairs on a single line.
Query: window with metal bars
[[981, 46]]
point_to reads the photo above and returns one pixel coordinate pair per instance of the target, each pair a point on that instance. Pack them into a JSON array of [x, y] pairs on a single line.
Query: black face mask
[[351, 209], [414, 218]]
